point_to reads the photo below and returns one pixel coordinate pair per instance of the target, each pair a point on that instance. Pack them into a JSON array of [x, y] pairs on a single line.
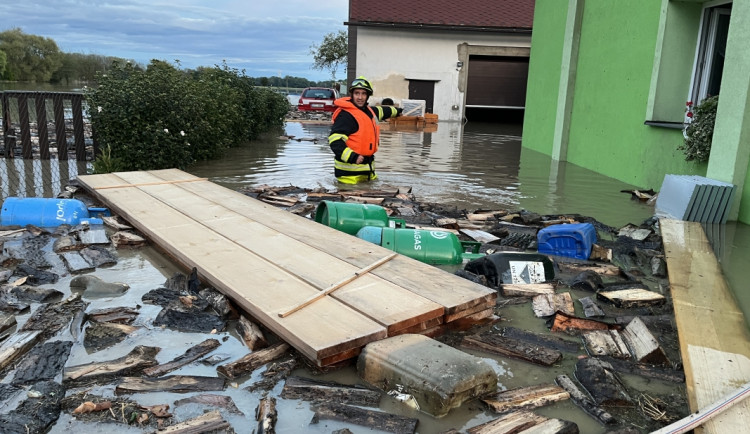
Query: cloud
[[264, 38]]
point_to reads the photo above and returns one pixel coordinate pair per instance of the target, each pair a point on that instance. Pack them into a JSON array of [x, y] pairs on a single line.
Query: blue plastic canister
[[570, 240], [46, 212]]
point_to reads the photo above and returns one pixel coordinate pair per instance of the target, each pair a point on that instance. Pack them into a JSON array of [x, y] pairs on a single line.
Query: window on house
[[709, 59]]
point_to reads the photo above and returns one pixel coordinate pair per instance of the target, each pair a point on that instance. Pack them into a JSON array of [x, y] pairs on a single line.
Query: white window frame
[[703, 62]]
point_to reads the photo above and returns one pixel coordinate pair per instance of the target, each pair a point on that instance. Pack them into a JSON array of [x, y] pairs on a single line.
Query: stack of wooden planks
[[270, 261]]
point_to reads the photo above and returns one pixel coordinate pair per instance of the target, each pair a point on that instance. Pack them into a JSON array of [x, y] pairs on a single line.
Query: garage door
[[496, 81]]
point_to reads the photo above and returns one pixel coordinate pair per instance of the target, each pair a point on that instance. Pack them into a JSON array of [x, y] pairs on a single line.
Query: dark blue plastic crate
[[570, 240]]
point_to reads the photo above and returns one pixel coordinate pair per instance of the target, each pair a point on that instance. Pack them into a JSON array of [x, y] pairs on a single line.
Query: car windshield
[[318, 93]]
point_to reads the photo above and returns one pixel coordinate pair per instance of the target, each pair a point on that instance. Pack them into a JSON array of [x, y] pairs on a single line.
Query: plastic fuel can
[[351, 217], [46, 212], [431, 247], [573, 240]]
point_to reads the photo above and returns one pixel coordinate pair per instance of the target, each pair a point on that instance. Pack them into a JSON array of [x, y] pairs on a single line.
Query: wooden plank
[[527, 289], [494, 343], [583, 400], [525, 397], [606, 343], [227, 268], [171, 384], [423, 279], [380, 300], [628, 298], [16, 346], [192, 354], [547, 304], [643, 344]]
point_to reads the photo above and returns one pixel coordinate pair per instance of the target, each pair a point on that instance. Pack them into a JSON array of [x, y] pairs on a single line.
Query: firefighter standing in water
[[355, 133]]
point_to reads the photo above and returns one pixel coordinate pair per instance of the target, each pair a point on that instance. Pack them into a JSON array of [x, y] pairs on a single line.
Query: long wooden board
[[384, 302], [324, 329], [452, 292], [714, 339]]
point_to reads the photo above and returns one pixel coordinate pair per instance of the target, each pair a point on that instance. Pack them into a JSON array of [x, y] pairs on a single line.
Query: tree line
[[34, 58]]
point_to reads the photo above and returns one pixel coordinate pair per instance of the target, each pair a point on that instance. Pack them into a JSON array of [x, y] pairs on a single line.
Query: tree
[[29, 57], [331, 53], [3, 60]]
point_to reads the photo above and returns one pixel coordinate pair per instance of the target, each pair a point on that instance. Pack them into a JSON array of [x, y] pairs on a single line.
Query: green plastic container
[[431, 247], [351, 217]]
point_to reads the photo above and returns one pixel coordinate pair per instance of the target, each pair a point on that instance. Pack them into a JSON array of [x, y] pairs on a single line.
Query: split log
[[76, 263], [526, 290], [212, 400], [100, 335], [209, 422], [51, 318], [266, 416], [606, 343], [6, 321], [525, 398], [119, 315], [520, 422], [590, 308], [132, 363], [494, 343], [659, 322], [42, 363], [251, 334], [603, 386], [601, 269], [572, 324], [648, 371], [170, 383], [629, 298], [94, 235], [643, 344], [191, 355], [583, 400], [127, 239], [114, 223], [600, 253], [539, 339], [219, 302], [548, 304], [250, 362], [314, 390], [17, 345], [369, 418], [447, 223]]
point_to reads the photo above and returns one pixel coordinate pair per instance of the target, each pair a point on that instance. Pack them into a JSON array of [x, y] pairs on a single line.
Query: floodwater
[[472, 166]]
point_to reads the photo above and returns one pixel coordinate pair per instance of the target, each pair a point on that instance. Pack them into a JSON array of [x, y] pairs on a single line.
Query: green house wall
[[633, 64]]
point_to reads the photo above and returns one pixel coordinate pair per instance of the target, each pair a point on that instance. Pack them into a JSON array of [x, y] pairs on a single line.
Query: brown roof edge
[[438, 27]]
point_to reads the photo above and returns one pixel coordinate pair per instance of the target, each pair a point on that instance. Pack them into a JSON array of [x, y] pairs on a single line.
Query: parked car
[[317, 99]]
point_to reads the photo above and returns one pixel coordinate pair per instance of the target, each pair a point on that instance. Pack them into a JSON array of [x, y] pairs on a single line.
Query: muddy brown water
[[471, 167]]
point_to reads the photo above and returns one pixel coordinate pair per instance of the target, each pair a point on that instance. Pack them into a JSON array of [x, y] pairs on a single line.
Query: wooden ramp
[[714, 338], [269, 261]]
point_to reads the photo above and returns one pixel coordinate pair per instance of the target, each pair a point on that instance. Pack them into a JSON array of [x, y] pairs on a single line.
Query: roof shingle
[[498, 14]]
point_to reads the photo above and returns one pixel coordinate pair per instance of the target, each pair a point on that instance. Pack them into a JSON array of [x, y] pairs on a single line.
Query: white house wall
[[389, 58]]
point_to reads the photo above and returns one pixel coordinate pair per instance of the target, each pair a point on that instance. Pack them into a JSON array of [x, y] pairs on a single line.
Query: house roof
[[462, 14]]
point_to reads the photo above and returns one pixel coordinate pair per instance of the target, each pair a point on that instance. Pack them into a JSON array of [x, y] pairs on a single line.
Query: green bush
[[163, 117], [700, 131]]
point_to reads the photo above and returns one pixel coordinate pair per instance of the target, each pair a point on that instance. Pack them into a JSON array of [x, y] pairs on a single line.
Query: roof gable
[[470, 14]]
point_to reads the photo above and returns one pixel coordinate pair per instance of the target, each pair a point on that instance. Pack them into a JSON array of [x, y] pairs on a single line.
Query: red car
[[317, 99]]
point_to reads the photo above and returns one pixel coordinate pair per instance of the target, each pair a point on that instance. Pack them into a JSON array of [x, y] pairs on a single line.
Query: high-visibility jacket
[[349, 140]]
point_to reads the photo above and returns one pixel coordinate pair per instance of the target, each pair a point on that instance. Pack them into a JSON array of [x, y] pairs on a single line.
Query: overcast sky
[[264, 37]]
